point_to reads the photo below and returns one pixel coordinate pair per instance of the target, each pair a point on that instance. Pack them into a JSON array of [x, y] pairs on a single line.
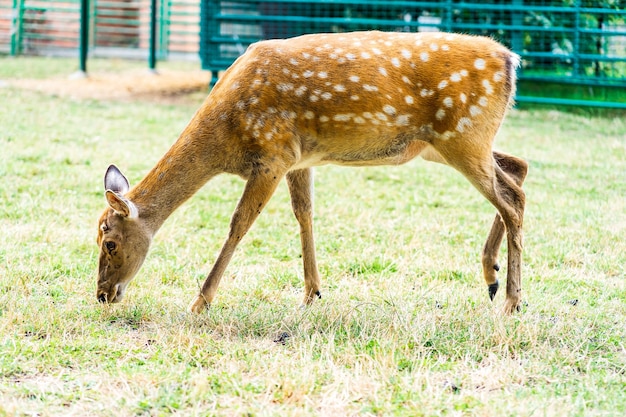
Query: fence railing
[[572, 42], [117, 27]]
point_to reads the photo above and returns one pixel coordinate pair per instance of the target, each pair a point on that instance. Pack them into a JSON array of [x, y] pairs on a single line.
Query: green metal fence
[[117, 27], [575, 43]]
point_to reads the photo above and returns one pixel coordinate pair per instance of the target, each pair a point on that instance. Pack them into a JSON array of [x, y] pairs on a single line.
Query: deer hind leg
[[256, 194], [483, 169], [300, 184], [517, 169]]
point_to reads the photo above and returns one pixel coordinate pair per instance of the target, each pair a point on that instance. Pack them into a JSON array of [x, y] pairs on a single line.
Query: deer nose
[[102, 298]]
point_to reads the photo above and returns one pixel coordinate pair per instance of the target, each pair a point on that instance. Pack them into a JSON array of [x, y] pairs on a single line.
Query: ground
[[165, 86]]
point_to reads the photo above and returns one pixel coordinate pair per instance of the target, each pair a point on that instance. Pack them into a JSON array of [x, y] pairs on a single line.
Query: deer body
[[355, 99]]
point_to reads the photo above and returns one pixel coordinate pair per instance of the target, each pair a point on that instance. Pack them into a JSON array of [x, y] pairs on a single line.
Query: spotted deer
[[355, 99]]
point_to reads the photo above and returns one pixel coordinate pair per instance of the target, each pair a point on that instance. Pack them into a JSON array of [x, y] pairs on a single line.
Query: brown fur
[[364, 98]]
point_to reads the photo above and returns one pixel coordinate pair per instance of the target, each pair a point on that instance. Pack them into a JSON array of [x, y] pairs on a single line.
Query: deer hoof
[[511, 307], [493, 289], [319, 294], [198, 305]]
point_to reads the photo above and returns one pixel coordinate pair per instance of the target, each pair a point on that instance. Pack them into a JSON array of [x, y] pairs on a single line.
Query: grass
[[404, 328]]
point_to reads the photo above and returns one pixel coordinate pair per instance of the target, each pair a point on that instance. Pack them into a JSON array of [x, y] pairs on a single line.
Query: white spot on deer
[[256, 83], [313, 98], [483, 101], [434, 47], [327, 96], [365, 55], [343, 117], [306, 55], [448, 102], [488, 87], [300, 91], [462, 124], [359, 120], [479, 64], [368, 115], [240, 105], [288, 115], [354, 97], [406, 80], [403, 120], [307, 74], [475, 111], [269, 135], [445, 47], [441, 113], [333, 56], [271, 110], [293, 61], [286, 71], [322, 74], [463, 98], [390, 110], [309, 115], [443, 84], [324, 119], [426, 93], [235, 85], [406, 53], [464, 73], [284, 87], [455, 77], [395, 62], [350, 56], [383, 71], [368, 87], [377, 51], [354, 78], [424, 56], [498, 76], [408, 99], [381, 116], [340, 88]]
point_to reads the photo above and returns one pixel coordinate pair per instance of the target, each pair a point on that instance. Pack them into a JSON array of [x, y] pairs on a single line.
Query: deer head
[[123, 239]]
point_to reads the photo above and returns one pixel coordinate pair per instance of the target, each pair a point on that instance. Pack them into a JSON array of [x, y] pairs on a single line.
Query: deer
[[354, 99]]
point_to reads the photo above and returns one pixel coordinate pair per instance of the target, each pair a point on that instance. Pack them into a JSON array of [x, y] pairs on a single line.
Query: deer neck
[[180, 173]]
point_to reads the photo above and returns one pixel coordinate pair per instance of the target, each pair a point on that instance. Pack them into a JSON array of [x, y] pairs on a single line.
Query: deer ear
[[116, 185], [121, 205], [115, 181]]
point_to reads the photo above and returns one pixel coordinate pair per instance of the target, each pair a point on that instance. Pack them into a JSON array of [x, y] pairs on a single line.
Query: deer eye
[[110, 246], [104, 227]]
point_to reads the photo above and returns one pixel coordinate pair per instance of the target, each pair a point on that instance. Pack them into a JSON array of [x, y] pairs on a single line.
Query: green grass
[[404, 328]]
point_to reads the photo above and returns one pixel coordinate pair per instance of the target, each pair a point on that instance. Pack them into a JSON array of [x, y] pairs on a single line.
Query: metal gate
[[570, 42], [118, 28]]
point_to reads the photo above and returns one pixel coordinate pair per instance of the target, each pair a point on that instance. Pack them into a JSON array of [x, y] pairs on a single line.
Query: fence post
[[16, 27], [153, 24], [84, 36], [576, 63]]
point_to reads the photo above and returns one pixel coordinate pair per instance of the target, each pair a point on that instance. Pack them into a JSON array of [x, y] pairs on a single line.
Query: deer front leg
[[256, 194], [300, 184]]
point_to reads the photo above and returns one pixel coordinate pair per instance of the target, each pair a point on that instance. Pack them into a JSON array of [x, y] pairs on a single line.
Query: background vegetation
[[405, 326]]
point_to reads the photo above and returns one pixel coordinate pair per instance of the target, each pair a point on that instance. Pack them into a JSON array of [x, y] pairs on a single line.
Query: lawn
[[405, 326]]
